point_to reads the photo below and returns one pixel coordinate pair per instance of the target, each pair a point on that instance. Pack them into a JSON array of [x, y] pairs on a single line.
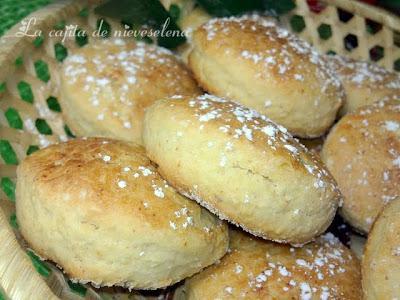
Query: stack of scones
[[193, 172]]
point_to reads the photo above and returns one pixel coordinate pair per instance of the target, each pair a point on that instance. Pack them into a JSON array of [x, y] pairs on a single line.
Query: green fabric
[[12, 11]]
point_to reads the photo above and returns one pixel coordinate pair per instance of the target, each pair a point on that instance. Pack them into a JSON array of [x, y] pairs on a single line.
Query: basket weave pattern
[[349, 28], [30, 115]]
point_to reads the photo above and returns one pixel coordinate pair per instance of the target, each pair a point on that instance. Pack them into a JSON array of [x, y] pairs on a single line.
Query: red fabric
[[316, 6]]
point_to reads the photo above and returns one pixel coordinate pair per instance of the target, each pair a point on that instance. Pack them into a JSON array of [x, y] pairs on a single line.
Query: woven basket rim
[[10, 44], [378, 14], [11, 48]]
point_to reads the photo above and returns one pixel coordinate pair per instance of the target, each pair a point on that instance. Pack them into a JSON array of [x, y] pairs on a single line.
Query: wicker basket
[[30, 114]]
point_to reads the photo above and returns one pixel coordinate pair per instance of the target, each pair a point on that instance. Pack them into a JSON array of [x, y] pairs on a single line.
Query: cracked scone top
[[241, 166], [267, 68], [362, 151], [363, 82], [107, 84], [99, 209], [256, 269]]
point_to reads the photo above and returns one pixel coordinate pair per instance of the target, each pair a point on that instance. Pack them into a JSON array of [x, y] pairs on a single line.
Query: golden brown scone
[[106, 86], [381, 262], [363, 154], [256, 269], [241, 166], [266, 68], [363, 82], [99, 209]]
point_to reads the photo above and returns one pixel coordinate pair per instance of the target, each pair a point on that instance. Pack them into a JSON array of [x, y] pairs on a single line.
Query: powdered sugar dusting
[[367, 161], [279, 58], [315, 271], [113, 76], [363, 73], [240, 123]]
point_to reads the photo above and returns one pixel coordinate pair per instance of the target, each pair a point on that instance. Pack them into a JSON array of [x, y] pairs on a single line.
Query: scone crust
[[381, 261], [363, 154], [241, 166], [266, 68], [107, 84], [255, 269], [99, 209], [364, 83]]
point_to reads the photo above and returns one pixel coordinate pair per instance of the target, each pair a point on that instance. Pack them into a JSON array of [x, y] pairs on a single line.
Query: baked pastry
[[241, 166], [107, 84], [381, 262], [273, 72], [363, 82], [363, 154], [99, 209], [255, 269]]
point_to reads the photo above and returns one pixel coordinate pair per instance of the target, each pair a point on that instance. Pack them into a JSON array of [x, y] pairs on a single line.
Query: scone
[[107, 84], [363, 154], [268, 69], [99, 209], [241, 166], [363, 82], [381, 262], [255, 269]]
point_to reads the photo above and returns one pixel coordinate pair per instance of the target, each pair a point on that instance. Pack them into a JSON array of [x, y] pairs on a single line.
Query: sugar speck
[[122, 184]]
